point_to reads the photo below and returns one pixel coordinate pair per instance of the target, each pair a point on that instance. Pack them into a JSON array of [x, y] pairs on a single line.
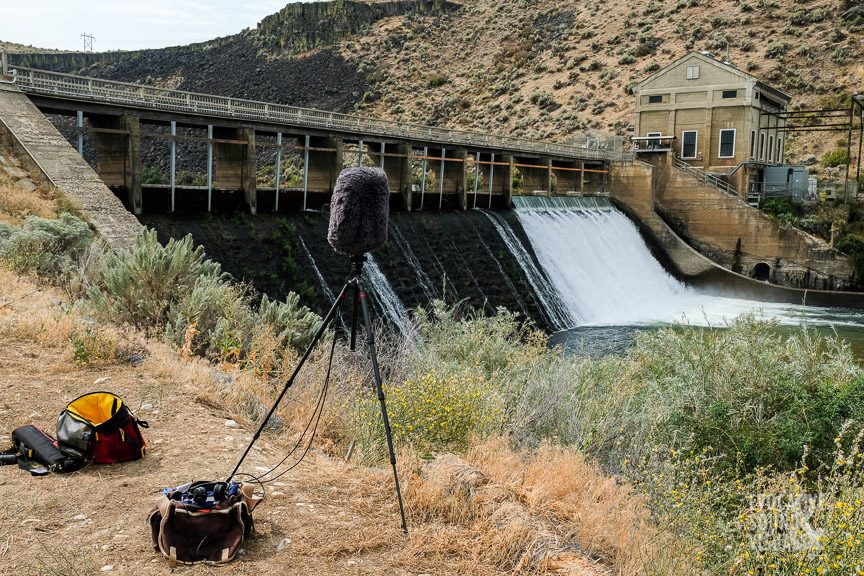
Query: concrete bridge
[[115, 116]]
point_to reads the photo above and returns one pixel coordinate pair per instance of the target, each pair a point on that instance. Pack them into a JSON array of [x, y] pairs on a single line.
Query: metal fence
[[705, 177], [73, 87]]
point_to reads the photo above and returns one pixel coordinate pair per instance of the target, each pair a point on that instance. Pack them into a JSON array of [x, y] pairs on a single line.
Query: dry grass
[[549, 512], [16, 204], [537, 512]]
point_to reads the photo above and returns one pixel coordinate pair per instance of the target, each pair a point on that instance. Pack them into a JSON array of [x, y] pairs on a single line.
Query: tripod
[[352, 284]]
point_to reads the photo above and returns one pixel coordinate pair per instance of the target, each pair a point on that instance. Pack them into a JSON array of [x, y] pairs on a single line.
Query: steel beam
[[79, 122], [491, 177], [173, 162], [278, 166], [305, 171], [423, 176], [476, 175], [209, 167], [441, 179]]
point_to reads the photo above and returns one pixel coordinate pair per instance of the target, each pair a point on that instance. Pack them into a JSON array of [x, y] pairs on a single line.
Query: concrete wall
[[739, 237], [630, 187], [45, 151]]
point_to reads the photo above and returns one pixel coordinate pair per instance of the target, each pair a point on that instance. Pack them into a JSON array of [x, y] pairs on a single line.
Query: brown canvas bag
[[189, 533]]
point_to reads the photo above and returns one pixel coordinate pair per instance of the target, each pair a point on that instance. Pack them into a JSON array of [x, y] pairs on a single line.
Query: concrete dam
[[566, 256]]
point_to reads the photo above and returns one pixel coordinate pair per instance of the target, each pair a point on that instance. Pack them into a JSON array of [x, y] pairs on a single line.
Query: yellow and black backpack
[[98, 427]]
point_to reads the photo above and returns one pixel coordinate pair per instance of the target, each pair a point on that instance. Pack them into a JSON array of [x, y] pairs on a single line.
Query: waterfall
[[422, 278], [558, 312], [597, 261], [383, 293], [324, 286]]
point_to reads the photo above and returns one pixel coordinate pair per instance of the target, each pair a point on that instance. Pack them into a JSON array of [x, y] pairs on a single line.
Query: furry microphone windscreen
[[359, 211]]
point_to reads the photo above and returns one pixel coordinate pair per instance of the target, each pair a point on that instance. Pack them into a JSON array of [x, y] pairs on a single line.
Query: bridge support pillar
[[325, 160], [234, 151], [117, 140]]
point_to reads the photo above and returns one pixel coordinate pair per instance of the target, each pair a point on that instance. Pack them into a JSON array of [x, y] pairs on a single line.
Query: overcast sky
[[127, 24]]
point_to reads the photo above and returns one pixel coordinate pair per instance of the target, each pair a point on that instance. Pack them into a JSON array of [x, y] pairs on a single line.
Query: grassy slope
[[496, 55]]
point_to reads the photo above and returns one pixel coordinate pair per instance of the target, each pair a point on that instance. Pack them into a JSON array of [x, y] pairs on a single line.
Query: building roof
[[709, 60]]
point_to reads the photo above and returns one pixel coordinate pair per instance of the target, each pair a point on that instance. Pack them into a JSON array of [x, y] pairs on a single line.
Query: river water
[[612, 287]]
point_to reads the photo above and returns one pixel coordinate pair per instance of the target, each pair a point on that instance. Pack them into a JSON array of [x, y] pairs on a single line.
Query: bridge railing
[[60, 85]]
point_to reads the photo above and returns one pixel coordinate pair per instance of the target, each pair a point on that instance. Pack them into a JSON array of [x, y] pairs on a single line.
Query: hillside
[[537, 68]]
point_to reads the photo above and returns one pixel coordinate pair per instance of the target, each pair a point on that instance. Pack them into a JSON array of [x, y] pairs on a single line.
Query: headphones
[[200, 494]]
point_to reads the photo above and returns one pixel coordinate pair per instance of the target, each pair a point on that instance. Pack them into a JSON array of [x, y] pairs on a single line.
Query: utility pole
[[88, 42]]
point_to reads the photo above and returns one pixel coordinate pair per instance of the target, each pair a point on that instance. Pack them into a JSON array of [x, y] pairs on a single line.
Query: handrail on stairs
[[705, 177]]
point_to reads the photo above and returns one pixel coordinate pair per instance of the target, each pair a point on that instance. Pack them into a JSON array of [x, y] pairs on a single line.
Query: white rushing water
[[606, 275], [384, 294], [547, 296]]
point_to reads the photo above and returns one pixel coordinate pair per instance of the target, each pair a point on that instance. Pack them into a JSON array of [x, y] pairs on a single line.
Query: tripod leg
[[328, 319], [370, 340], [354, 315]]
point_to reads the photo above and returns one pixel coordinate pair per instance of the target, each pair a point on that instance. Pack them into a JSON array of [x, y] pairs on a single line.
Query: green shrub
[[777, 49], [745, 392], [45, 247], [834, 158], [783, 209], [853, 246], [139, 285], [292, 324], [436, 79], [436, 412], [542, 98]]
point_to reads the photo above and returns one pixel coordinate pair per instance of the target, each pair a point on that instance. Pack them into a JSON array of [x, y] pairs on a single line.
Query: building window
[[779, 150], [752, 144], [727, 143], [688, 144], [761, 146], [770, 148], [655, 99], [653, 143], [756, 94], [730, 93], [692, 72]]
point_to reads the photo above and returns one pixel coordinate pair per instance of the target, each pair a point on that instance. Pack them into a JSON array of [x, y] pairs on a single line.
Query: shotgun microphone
[[359, 211]]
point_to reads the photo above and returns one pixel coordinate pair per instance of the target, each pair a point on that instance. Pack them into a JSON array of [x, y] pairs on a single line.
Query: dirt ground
[[324, 517]]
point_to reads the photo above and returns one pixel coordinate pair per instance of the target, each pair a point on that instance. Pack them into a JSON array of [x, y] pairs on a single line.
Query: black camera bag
[[36, 449]]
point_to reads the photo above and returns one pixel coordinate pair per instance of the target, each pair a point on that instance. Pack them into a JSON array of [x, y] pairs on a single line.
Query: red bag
[[98, 427]]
